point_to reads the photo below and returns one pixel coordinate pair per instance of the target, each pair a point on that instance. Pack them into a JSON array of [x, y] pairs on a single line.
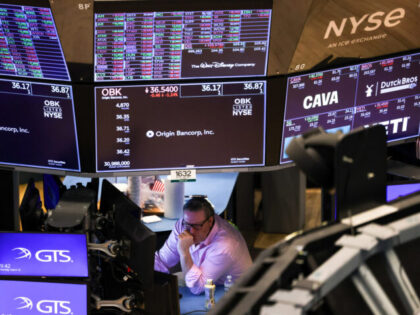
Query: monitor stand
[[9, 200], [404, 160], [163, 298], [328, 211], [359, 174], [360, 171]]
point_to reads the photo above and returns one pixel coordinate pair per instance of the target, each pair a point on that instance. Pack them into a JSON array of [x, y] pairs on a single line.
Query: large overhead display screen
[[180, 125], [385, 92], [29, 44], [181, 44], [37, 125]]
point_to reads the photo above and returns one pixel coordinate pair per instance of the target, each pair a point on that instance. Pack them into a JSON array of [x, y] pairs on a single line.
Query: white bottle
[[209, 290], [228, 283]]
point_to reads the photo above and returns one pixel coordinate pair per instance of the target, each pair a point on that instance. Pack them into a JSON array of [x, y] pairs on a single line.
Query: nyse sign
[[368, 22]]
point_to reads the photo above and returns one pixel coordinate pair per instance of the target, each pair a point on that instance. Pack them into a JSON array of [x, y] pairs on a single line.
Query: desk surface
[[190, 302]]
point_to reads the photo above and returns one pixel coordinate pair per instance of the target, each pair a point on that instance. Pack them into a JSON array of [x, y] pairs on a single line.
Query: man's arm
[[185, 240], [168, 256], [215, 265]]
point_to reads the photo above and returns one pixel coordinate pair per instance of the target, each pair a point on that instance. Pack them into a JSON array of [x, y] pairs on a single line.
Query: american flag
[[158, 186]]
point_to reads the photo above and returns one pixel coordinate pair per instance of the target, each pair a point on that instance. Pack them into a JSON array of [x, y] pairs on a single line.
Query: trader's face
[[197, 224]]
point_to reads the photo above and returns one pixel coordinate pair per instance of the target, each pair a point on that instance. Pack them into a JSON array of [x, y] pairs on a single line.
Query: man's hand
[[185, 240]]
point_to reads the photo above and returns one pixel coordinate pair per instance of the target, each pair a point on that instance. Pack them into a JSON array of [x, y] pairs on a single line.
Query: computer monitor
[[26, 297], [394, 191], [175, 126], [38, 126], [139, 247], [43, 255], [385, 92], [154, 41], [29, 43]]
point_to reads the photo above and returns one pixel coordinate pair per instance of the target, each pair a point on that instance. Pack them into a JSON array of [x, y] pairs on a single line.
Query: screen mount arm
[[124, 303], [111, 248]]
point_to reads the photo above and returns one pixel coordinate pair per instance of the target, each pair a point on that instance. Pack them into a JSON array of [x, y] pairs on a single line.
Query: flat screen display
[[29, 44], [385, 92], [181, 44], [400, 190], [43, 254], [27, 297], [175, 126], [37, 125]]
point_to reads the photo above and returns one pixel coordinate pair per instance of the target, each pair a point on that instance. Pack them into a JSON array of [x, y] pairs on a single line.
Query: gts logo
[[44, 255], [44, 306]]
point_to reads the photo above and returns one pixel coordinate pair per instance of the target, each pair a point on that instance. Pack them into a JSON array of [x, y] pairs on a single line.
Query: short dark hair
[[198, 203]]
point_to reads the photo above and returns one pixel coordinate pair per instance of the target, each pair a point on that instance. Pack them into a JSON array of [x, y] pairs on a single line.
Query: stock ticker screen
[[181, 44], [382, 92], [37, 125], [29, 44], [171, 126]]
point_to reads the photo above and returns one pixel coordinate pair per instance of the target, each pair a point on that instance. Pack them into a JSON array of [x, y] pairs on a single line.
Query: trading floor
[[229, 157]]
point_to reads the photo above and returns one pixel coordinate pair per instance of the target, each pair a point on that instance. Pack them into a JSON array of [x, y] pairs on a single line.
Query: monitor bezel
[[132, 6], [166, 170], [53, 282], [55, 278], [118, 206], [45, 4], [49, 169], [329, 67]]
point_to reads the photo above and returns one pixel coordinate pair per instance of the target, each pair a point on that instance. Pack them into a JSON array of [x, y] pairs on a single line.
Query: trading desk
[[189, 303]]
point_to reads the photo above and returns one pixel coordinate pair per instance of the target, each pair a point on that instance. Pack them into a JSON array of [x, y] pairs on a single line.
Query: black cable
[[111, 264], [113, 274], [100, 254]]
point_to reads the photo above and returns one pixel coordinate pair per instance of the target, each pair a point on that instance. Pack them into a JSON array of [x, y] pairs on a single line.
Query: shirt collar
[[213, 231]]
